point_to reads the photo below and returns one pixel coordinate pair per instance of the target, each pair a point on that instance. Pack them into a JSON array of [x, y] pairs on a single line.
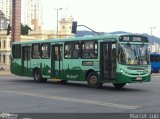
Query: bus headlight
[[123, 72]]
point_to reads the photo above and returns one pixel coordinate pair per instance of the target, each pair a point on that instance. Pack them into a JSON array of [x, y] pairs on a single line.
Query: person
[[1, 68], [67, 54]]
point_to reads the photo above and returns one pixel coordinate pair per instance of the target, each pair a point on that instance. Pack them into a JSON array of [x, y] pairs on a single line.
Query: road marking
[[100, 103]]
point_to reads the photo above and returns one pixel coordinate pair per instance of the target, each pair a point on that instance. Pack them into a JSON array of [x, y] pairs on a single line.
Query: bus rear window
[[16, 51]]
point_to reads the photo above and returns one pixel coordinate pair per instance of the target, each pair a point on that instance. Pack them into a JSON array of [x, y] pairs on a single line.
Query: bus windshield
[[133, 54]]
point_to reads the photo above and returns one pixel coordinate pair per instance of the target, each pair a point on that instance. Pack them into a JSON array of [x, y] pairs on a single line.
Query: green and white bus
[[116, 59]]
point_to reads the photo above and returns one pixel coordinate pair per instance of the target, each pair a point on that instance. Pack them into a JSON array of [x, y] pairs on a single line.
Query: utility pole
[[151, 37], [57, 9]]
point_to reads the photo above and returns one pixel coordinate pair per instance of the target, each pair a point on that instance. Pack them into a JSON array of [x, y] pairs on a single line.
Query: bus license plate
[[139, 78]]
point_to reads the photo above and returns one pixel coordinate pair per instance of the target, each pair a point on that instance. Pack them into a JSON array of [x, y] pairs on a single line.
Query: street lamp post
[[57, 9], [151, 28], [151, 38]]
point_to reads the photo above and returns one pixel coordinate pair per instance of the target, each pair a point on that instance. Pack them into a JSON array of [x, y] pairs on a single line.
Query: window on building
[[89, 49], [45, 50], [4, 44], [16, 51], [71, 50], [4, 58], [10, 44], [36, 51], [0, 58]]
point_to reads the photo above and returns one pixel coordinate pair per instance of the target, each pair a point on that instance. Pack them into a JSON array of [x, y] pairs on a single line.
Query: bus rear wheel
[[93, 81], [38, 76], [119, 85]]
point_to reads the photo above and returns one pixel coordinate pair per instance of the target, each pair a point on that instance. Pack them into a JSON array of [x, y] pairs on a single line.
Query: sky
[[136, 16]]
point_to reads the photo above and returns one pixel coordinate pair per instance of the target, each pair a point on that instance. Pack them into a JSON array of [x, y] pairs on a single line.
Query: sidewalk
[[5, 71]]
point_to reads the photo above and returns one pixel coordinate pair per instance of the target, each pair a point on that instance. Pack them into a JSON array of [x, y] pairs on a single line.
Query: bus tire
[[119, 85], [93, 81], [38, 76]]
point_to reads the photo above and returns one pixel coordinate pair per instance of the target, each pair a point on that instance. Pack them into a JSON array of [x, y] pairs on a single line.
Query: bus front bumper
[[122, 78]]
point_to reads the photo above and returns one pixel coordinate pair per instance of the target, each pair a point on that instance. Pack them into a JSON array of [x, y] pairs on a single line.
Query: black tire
[[93, 81], [38, 76], [119, 85]]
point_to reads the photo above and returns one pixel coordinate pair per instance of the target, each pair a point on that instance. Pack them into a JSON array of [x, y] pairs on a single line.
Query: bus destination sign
[[133, 38]]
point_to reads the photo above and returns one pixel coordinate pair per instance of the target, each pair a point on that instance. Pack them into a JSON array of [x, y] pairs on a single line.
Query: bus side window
[[152, 58], [45, 50], [71, 50], [67, 50], [36, 51], [156, 58], [16, 51], [89, 49]]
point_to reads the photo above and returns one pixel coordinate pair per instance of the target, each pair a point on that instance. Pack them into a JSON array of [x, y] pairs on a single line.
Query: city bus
[[116, 59], [155, 62]]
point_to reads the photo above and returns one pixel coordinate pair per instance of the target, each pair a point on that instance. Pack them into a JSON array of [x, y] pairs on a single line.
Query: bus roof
[[116, 36]]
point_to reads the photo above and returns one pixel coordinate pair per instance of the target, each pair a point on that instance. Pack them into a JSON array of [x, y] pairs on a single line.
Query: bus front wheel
[[119, 85], [93, 81], [38, 76]]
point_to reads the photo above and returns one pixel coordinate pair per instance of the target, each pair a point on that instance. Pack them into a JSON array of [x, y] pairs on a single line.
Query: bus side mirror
[[74, 27]]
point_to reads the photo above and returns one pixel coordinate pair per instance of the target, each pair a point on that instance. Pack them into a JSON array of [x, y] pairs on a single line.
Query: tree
[[25, 29], [8, 29]]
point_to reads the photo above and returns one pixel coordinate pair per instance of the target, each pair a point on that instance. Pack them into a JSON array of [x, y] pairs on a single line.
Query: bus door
[[56, 61], [26, 56], [108, 60]]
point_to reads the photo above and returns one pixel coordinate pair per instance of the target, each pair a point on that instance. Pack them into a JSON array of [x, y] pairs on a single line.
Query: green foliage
[[8, 29], [25, 29]]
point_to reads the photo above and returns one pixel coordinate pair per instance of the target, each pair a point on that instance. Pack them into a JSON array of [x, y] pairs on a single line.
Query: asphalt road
[[23, 95]]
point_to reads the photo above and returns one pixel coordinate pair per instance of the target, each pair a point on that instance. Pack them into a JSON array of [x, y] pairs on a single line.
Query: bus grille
[[138, 74], [137, 68]]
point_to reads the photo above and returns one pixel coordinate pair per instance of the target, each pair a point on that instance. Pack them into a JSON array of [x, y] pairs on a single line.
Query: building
[[155, 47], [5, 48], [66, 25], [32, 14], [6, 7]]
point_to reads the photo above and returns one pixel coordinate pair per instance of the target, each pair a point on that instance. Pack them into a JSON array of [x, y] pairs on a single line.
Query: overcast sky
[[136, 16]]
